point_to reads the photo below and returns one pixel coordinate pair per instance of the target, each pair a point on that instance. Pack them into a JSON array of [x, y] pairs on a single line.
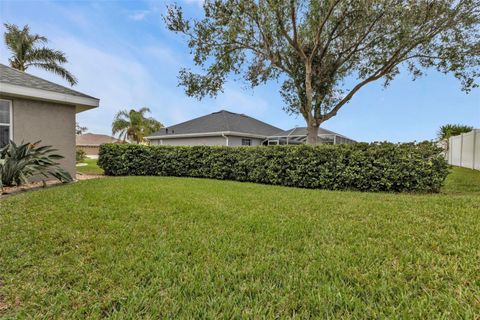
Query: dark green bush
[[366, 167]]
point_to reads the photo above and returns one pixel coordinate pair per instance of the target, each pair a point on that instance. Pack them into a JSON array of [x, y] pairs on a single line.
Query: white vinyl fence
[[464, 150]]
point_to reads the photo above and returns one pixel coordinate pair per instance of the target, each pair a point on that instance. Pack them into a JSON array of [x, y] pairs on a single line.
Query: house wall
[[90, 150], [237, 141], [53, 124], [200, 141], [205, 141]]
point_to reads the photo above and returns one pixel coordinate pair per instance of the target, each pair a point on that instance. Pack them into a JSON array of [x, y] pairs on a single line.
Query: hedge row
[[365, 167]]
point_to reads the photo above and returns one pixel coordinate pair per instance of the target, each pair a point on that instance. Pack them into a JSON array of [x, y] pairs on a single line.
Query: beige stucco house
[[90, 143], [33, 109]]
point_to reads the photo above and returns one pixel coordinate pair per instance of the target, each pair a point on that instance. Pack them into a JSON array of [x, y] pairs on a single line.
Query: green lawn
[[90, 168], [163, 247]]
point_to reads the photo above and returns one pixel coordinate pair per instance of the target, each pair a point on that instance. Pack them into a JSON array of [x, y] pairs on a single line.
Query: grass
[[90, 168], [164, 247], [462, 181]]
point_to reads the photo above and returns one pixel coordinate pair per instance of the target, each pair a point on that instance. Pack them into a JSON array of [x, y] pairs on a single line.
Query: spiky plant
[[20, 162], [27, 52], [134, 125]]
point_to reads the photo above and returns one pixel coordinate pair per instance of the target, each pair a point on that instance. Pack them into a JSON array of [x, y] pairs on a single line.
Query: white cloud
[[139, 15], [119, 82], [125, 77], [162, 54], [197, 2], [241, 101]]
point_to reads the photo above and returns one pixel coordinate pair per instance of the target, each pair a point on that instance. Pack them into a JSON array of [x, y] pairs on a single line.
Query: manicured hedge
[[365, 167]]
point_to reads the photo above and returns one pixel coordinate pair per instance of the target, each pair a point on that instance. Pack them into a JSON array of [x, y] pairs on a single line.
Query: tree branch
[[284, 32], [377, 75], [316, 43]]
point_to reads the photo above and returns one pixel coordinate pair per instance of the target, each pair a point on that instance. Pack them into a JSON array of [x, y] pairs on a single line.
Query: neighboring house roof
[[216, 123], [18, 83], [302, 131], [91, 139]]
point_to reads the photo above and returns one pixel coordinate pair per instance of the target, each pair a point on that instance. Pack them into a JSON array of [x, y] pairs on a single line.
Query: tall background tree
[[450, 130], [79, 129], [314, 46], [133, 125], [28, 50]]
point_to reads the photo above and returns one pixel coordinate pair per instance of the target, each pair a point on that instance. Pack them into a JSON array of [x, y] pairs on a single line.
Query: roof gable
[[302, 132], [18, 83], [91, 139], [220, 121]]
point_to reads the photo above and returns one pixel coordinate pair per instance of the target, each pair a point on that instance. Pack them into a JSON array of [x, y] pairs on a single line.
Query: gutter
[[81, 103], [226, 138]]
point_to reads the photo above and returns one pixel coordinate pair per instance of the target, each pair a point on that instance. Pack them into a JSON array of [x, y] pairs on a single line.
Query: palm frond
[[25, 53], [119, 125], [133, 125], [45, 55], [57, 69], [122, 114], [143, 111]]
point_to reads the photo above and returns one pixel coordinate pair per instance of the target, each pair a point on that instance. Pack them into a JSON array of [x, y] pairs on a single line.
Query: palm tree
[[133, 125], [26, 52], [450, 130]]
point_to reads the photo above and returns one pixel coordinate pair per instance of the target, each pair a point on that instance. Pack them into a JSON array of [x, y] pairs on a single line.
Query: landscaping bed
[[167, 247], [28, 187]]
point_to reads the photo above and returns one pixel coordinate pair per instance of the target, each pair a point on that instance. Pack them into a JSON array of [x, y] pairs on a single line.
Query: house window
[[5, 122], [246, 142]]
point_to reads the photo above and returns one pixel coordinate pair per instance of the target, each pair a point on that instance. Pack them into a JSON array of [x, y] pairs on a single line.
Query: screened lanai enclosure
[[299, 136]]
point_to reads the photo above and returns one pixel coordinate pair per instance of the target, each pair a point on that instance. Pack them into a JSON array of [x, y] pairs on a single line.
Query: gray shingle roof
[[20, 78], [220, 121], [302, 131], [91, 139]]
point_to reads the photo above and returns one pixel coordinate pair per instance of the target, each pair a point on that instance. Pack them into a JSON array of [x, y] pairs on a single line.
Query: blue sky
[[121, 53]]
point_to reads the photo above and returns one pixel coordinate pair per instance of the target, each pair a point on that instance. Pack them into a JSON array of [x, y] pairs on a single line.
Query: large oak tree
[[316, 48]]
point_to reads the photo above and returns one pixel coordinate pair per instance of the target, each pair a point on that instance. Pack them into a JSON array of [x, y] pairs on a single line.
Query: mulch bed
[[9, 191]]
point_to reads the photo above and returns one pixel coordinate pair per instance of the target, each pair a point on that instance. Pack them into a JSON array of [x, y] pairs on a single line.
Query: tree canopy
[[324, 52], [450, 130], [26, 52], [80, 129]]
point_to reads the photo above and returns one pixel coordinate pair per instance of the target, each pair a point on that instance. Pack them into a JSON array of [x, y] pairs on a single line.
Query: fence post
[[474, 148], [461, 150], [450, 146]]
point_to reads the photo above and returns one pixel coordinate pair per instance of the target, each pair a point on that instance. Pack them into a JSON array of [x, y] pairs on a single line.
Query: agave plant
[[20, 162]]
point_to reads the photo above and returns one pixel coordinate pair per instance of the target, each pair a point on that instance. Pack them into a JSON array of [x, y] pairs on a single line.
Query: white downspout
[[226, 138]]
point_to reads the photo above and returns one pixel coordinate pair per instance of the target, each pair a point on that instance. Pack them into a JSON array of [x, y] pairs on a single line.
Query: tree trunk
[[312, 133], [312, 125]]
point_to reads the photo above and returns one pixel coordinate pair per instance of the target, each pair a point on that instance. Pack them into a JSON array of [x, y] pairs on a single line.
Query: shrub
[[388, 167], [80, 155], [20, 162]]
